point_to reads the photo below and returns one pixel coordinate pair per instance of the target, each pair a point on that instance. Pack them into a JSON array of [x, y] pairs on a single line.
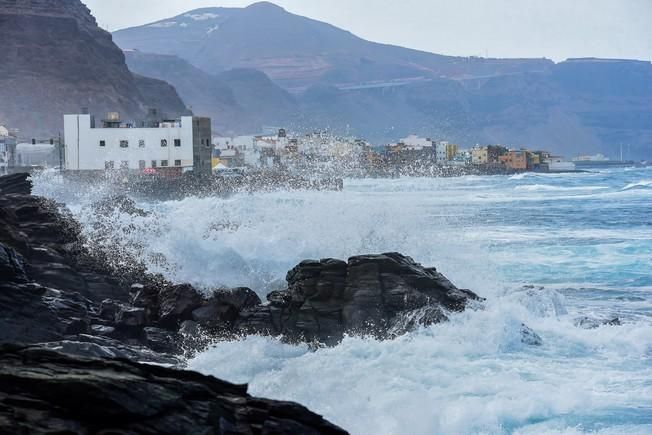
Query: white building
[[245, 146], [416, 143], [558, 164], [184, 144], [441, 151]]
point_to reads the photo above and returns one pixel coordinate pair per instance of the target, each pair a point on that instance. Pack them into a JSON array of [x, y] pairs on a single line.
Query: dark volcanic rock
[[47, 392], [49, 243], [381, 295], [529, 337], [131, 317], [11, 265], [56, 293], [592, 323], [54, 289], [176, 304], [225, 305], [16, 184]]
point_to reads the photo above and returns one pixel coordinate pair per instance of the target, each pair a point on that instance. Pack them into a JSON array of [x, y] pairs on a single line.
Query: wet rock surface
[[594, 323], [60, 297], [42, 391], [54, 290], [380, 295]]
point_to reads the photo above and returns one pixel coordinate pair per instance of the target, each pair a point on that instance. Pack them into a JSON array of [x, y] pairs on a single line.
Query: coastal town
[[160, 146], [325, 217]]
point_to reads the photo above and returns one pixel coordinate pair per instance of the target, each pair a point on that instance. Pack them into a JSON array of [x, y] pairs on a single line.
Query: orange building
[[514, 159]]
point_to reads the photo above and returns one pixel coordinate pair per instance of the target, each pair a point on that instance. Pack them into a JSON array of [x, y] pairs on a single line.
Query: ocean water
[[545, 250]]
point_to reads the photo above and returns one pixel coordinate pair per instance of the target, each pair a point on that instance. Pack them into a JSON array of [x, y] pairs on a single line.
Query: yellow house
[[480, 155], [451, 151]]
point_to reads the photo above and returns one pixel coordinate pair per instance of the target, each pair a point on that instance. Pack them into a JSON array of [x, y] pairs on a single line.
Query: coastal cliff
[[57, 60]]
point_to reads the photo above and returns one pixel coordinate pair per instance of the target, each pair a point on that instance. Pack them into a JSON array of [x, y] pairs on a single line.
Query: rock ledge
[[42, 391]]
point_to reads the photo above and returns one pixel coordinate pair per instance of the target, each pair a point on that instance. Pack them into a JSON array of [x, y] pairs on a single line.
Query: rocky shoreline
[[42, 391], [57, 296]]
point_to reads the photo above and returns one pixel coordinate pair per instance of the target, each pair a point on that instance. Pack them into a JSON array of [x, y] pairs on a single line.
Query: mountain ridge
[[295, 51]]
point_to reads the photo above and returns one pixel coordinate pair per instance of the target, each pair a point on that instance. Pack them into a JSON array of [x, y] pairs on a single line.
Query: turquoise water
[[545, 250]]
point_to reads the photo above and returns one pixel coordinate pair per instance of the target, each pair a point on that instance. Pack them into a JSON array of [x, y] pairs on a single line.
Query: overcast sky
[[556, 29]]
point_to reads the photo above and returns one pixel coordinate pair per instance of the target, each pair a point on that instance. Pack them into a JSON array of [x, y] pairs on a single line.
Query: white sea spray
[[544, 257]]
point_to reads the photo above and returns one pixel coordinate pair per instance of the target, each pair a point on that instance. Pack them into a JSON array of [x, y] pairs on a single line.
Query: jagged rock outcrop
[[585, 322], [46, 392], [15, 184], [381, 295], [56, 60], [55, 293], [53, 289]]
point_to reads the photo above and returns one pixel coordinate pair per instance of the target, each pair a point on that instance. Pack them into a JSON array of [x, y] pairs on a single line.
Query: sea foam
[[587, 247]]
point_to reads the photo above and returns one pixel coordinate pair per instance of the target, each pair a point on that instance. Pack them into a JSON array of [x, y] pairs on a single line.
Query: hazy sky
[[556, 29]]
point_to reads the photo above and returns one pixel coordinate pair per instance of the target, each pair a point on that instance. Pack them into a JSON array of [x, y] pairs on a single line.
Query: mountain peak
[[265, 6]]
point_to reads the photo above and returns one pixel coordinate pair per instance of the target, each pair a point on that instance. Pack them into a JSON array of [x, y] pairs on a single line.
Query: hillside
[[298, 52], [586, 106], [57, 60], [383, 92], [238, 101]]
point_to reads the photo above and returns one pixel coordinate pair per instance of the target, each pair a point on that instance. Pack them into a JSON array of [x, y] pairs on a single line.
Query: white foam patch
[[639, 185], [549, 188], [472, 375]]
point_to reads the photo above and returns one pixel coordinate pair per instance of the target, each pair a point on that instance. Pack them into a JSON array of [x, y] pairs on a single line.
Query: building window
[[141, 144], [164, 163], [153, 163], [164, 142], [177, 142], [141, 164], [177, 163], [109, 164], [102, 143], [208, 143], [124, 164], [124, 144]]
